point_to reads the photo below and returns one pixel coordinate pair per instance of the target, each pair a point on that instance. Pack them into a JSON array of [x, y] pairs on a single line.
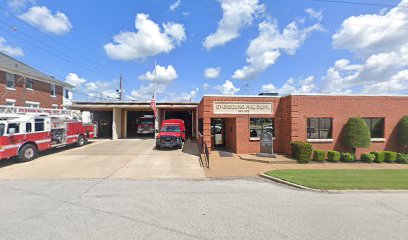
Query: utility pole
[[120, 88]]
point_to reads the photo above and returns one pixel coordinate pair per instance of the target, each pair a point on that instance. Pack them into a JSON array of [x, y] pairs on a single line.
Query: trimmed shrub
[[402, 158], [390, 156], [356, 134], [348, 157], [379, 157], [301, 151], [319, 155], [333, 156], [367, 157], [402, 133]]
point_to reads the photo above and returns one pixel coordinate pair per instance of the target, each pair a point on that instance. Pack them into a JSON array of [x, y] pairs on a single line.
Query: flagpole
[[155, 102]]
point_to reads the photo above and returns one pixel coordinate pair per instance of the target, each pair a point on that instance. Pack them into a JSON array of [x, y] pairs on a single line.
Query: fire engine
[[24, 132]]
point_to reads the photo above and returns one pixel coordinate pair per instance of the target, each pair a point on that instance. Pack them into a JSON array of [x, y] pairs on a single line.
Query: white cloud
[[299, 85], [42, 18], [227, 88], [161, 74], [182, 97], [145, 92], [318, 15], [148, 40], [374, 33], [206, 86], [9, 50], [236, 15], [212, 72], [175, 5], [379, 45], [74, 80], [19, 4], [104, 89], [264, 50]]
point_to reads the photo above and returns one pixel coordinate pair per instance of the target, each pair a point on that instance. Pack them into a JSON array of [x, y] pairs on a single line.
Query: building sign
[[242, 108]]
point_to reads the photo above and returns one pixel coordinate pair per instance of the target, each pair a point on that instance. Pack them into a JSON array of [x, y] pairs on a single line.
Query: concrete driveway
[[133, 158]]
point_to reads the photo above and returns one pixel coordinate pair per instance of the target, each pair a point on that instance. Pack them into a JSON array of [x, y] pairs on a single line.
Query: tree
[[403, 133], [356, 134]]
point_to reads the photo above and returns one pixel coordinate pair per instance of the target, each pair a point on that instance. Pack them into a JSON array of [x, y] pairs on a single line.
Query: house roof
[[12, 65]]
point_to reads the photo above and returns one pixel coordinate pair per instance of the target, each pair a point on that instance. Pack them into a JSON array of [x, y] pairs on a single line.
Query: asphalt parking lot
[[130, 158], [235, 208]]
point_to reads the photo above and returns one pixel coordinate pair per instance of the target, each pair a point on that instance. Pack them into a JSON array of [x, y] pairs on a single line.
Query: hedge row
[[303, 153]]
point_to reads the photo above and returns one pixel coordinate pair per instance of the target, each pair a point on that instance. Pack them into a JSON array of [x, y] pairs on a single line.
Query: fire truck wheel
[[27, 153], [81, 141]]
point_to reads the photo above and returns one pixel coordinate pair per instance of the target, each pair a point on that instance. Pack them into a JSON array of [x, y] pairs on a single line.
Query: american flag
[[153, 105]]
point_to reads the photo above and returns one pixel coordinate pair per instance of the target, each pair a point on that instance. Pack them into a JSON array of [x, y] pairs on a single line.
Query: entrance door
[[217, 132]]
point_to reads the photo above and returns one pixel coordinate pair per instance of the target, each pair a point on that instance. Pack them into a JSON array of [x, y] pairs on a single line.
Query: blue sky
[[295, 46]]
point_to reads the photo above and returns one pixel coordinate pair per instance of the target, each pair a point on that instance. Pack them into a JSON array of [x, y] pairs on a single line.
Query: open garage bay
[[131, 158]]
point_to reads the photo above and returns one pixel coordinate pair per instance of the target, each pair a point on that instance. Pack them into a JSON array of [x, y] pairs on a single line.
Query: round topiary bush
[[390, 156], [402, 133], [356, 134], [319, 155]]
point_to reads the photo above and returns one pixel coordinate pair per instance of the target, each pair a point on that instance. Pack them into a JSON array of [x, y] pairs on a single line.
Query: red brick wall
[[40, 93], [341, 108], [291, 113]]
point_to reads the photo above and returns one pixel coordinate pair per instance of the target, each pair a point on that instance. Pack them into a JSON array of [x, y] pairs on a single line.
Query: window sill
[[29, 89], [53, 96], [258, 139], [377, 139], [12, 89], [320, 140]]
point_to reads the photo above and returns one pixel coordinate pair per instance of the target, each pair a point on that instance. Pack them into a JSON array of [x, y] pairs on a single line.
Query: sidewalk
[[232, 165]]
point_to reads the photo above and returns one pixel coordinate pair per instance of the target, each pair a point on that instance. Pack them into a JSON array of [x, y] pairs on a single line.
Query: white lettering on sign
[[242, 108]]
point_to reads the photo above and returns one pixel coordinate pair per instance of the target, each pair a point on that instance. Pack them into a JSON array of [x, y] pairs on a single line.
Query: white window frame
[[32, 104], [32, 83], [53, 89], [14, 80], [12, 101]]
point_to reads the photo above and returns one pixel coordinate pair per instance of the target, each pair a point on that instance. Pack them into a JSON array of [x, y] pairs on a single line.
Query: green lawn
[[331, 179]]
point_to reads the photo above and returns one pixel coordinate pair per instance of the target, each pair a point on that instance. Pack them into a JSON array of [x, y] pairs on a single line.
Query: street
[[229, 208]]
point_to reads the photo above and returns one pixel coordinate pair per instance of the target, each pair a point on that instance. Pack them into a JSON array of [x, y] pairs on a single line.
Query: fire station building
[[234, 123]]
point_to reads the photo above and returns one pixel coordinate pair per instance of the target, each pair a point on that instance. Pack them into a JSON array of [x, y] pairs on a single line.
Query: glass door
[[217, 131]]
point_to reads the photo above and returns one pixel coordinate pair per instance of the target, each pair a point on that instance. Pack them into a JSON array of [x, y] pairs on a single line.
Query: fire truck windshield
[[2, 128]]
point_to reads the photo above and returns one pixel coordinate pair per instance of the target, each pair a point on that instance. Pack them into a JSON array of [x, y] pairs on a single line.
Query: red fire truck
[[26, 131]]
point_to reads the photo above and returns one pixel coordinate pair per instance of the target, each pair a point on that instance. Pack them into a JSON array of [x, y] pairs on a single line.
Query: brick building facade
[[22, 85], [318, 119]]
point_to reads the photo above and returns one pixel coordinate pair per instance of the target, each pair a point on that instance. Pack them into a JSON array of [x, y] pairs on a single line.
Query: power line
[[361, 3], [54, 40]]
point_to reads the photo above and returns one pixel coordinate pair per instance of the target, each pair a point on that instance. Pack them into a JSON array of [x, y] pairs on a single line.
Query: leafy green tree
[[356, 134], [403, 133]]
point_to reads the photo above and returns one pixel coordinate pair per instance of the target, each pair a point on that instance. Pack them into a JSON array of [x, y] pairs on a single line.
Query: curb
[[278, 180]]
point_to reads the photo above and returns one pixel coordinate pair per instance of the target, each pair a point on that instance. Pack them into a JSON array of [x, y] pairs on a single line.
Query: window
[[260, 125], [29, 127], [10, 80], [54, 106], [53, 90], [29, 83], [319, 128], [32, 104], [201, 125], [39, 124], [376, 126], [66, 93], [10, 102], [15, 126]]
